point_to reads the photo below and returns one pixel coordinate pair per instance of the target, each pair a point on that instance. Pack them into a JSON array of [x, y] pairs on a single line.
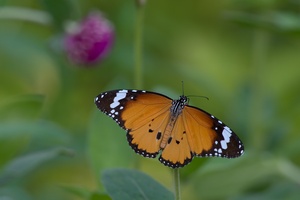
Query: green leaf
[[15, 136], [131, 184], [22, 107], [279, 21], [27, 163], [26, 14], [98, 196], [190, 169], [232, 177], [107, 144], [41, 133], [85, 194], [12, 192], [59, 10], [77, 191]]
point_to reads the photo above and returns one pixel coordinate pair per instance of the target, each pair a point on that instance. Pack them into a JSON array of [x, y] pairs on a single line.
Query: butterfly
[[157, 124]]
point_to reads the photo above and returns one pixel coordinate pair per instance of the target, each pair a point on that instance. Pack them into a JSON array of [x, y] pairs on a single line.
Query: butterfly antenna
[[205, 97], [182, 87]]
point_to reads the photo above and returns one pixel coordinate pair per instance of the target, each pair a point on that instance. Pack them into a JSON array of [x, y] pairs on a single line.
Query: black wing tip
[[232, 153]]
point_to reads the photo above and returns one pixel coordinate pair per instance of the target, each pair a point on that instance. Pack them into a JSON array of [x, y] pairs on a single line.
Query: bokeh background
[[243, 55]]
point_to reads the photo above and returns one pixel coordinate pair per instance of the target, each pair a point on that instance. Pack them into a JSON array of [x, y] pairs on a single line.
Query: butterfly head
[[178, 105], [183, 100]]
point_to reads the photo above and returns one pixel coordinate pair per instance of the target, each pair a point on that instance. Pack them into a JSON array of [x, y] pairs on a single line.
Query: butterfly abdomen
[[167, 138], [175, 110]]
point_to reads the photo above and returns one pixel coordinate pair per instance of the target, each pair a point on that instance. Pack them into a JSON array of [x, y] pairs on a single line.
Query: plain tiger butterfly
[[157, 124]]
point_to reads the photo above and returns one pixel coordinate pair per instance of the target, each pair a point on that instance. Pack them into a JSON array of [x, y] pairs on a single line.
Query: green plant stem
[[260, 49], [138, 48], [176, 179], [138, 53]]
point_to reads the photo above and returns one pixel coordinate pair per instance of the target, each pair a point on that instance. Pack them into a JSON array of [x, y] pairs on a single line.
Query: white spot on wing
[[223, 144], [119, 96], [228, 129], [226, 135]]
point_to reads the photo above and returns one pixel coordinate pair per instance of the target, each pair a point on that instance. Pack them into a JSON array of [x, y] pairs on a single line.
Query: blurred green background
[[243, 55]]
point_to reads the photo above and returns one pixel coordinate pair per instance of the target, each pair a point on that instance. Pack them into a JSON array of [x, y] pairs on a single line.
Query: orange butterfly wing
[[143, 114], [146, 118], [177, 152], [197, 133], [208, 136]]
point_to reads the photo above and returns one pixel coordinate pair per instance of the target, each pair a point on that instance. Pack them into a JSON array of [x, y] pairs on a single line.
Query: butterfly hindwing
[[177, 152]]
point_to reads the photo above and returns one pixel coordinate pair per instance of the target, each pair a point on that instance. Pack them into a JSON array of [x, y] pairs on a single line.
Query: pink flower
[[90, 40]]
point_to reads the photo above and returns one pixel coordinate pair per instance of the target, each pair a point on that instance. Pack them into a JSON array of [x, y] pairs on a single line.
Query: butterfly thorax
[[175, 111], [178, 105]]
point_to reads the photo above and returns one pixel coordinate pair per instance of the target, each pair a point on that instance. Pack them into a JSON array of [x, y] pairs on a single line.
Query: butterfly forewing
[[143, 114]]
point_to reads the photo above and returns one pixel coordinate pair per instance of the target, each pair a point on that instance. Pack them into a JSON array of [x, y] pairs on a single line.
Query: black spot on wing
[[158, 136], [170, 140]]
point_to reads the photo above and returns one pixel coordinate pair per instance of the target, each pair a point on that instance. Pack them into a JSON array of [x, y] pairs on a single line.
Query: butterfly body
[[157, 124], [175, 111]]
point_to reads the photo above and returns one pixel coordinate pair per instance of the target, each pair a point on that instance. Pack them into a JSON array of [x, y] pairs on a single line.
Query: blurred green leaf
[[12, 193], [98, 196], [22, 107], [277, 191], [16, 136], [107, 144], [25, 164], [59, 10], [77, 191], [279, 21], [131, 184], [190, 169], [85, 194], [19, 13], [41, 133], [232, 177]]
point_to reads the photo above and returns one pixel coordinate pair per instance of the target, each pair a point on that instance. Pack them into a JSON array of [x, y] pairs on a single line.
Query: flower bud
[[90, 40]]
